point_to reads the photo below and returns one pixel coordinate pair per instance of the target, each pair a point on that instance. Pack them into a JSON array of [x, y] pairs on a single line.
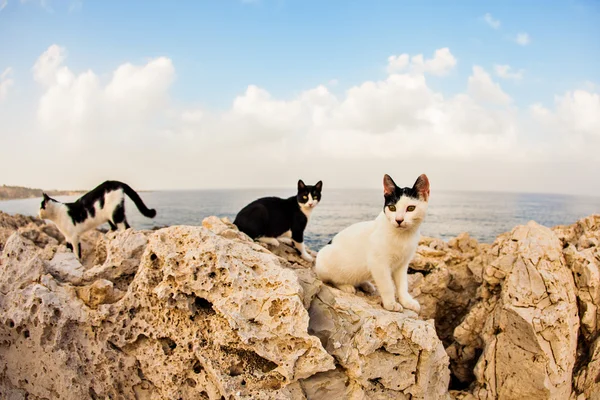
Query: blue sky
[[219, 47], [236, 66]]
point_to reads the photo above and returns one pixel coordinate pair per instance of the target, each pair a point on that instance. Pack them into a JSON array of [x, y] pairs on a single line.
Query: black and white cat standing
[[105, 203], [272, 220], [379, 249]]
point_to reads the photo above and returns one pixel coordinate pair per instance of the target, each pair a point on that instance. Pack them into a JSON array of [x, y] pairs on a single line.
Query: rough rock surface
[[532, 329], [581, 248], [196, 312], [203, 312]]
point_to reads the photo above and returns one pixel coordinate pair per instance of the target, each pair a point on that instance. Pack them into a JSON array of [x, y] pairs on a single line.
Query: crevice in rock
[[122, 282], [250, 360], [168, 345], [411, 270], [202, 306], [584, 351], [93, 394]]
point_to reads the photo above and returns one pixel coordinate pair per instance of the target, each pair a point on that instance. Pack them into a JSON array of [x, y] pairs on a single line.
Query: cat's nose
[[399, 221]]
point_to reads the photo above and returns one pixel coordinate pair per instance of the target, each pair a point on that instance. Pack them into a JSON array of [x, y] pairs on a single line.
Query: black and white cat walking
[[379, 249], [272, 220], [105, 203]]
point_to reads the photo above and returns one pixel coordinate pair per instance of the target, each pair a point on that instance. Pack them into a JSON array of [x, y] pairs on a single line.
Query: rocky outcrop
[[581, 248], [532, 328], [204, 312], [196, 312]]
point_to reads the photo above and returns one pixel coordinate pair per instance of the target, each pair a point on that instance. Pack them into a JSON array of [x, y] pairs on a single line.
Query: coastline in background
[[20, 192], [483, 215]]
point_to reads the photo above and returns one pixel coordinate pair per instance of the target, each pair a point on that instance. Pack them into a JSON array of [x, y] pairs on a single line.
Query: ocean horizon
[[483, 215]]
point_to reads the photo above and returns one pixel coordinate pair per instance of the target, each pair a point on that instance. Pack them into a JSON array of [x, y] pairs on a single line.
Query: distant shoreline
[[20, 192]]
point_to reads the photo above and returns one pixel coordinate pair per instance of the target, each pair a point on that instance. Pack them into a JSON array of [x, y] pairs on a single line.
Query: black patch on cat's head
[[304, 190], [392, 192]]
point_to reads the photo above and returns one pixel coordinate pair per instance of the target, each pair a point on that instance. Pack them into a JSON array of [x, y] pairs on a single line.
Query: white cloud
[[398, 63], [523, 39], [125, 125], [79, 103], [494, 23], [3, 4], [576, 112], [5, 83], [506, 72], [441, 63], [45, 70], [483, 88]]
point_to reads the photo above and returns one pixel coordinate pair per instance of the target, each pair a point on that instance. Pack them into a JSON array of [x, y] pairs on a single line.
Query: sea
[[483, 215]]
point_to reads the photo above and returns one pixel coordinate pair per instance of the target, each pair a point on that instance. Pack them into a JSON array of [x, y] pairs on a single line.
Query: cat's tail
[[147, 212]]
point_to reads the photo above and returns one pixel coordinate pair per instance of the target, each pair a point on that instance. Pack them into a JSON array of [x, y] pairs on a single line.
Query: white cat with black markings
[[105, 203], [379, 249]]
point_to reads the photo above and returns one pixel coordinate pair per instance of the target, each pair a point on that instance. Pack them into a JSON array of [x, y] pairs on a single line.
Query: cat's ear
[[389, 186], [319, 186], [46, 197], [301, 185], [422, 187]]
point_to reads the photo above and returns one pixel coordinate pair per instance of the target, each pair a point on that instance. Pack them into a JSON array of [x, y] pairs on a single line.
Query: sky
[[484, 96]]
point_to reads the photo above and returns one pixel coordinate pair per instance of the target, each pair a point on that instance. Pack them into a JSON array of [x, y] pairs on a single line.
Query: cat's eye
[[392, 208], [410, 208], [305, 197]]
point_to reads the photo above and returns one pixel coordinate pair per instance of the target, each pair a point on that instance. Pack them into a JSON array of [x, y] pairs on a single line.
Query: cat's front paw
[[392, 306], [307, 257], [411, 304]]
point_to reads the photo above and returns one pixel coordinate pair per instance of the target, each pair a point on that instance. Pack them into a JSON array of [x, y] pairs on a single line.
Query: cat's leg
[[382, 275], [113, 227], [76, 247], [298, 241], [401, 280], [119, 217], [268, 240], [302, 250], [286, 238]]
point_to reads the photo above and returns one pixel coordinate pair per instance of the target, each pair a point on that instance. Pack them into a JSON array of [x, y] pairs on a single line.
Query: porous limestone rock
[[204, 312], [203, 316], [10, 223]]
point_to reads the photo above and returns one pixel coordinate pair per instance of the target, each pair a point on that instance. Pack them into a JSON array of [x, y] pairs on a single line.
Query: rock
[[445, 286], [202, 315], [581, 248], [10, 223], [384, 354], [530, 330], [101, 291], [586, 382], [116, 257], [205, 312]]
